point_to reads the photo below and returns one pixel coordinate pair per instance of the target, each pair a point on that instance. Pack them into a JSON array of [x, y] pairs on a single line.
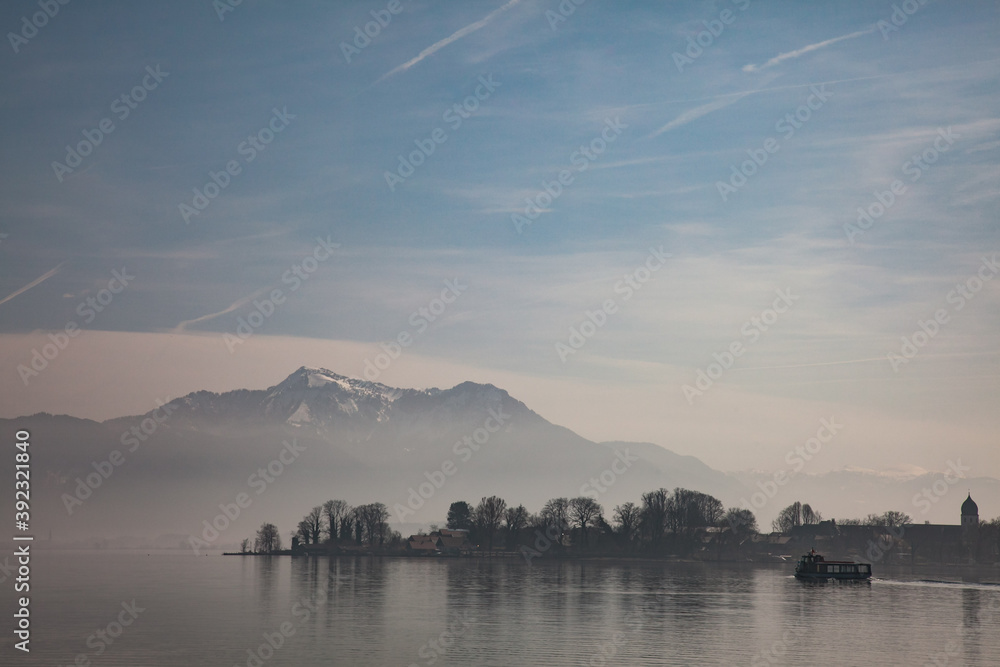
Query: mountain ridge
[[366, 441]]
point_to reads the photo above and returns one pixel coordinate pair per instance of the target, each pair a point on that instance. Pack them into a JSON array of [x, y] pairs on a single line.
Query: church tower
[[970, 513]]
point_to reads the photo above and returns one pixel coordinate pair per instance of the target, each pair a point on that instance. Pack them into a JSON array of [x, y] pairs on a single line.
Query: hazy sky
[[600, 142]]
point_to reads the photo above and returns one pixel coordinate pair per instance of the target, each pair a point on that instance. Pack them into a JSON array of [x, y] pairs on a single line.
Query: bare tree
[[555, 513], [809, 517], [742, 522], [894, 519], [268, 539], [891, 519], [302, 532], [654, 514], [686, 509], [314, 524], [360, 523], [379, 523], [334, 512], [347, 523], [488, 515], [245, 545], [372, 520], [788, 518], [711, 509], [515, 519], [626, 518], [584, 511]]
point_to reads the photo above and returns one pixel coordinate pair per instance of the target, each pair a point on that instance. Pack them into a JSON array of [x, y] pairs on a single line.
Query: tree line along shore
[[682, 524]]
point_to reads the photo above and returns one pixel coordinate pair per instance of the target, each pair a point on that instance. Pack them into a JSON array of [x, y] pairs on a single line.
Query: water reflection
[[370, 611], [266, 570]]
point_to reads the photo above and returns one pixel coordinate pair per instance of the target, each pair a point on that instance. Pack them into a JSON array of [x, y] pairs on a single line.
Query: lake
[[215, 610]]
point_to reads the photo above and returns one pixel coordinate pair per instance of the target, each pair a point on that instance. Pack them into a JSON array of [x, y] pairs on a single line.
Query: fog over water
[[389, 292], [212, 611]]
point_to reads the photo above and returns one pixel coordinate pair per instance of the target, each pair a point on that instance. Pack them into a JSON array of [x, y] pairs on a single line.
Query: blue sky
[[886, 95]]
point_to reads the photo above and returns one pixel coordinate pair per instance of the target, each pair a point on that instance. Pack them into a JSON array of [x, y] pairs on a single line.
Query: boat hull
[[811, 576]]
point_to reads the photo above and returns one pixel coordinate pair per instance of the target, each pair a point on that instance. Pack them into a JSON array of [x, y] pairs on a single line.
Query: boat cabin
[[813, 566]]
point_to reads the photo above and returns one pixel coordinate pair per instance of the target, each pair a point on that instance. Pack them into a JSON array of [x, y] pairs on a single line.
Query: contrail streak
[[36, 281], [455, 36], [183, 325]]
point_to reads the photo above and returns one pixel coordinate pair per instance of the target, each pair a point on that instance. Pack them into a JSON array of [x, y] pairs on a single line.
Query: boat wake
[[940, 583]]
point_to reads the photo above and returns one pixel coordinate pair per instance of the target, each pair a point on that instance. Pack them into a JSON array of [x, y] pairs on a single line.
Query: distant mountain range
[[319, 435]]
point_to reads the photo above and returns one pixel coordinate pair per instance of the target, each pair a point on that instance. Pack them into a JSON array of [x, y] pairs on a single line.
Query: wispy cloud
[[822, 363], [698, 112], [37, 281], [236, 304], [865, 361], [804, 50], [453, 37], [984, 147]]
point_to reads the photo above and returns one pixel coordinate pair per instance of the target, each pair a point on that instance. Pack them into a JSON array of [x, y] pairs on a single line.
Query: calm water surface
[[337, 611]]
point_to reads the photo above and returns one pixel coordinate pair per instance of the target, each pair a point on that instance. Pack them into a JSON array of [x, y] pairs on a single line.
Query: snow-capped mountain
[[416, 450], [321, 401], [361, 441]]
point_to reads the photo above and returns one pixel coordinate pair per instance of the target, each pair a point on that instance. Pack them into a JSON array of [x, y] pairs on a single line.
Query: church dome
[[969, 507]]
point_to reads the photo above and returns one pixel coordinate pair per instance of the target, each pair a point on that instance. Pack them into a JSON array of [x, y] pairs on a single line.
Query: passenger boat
[[813, 566]]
